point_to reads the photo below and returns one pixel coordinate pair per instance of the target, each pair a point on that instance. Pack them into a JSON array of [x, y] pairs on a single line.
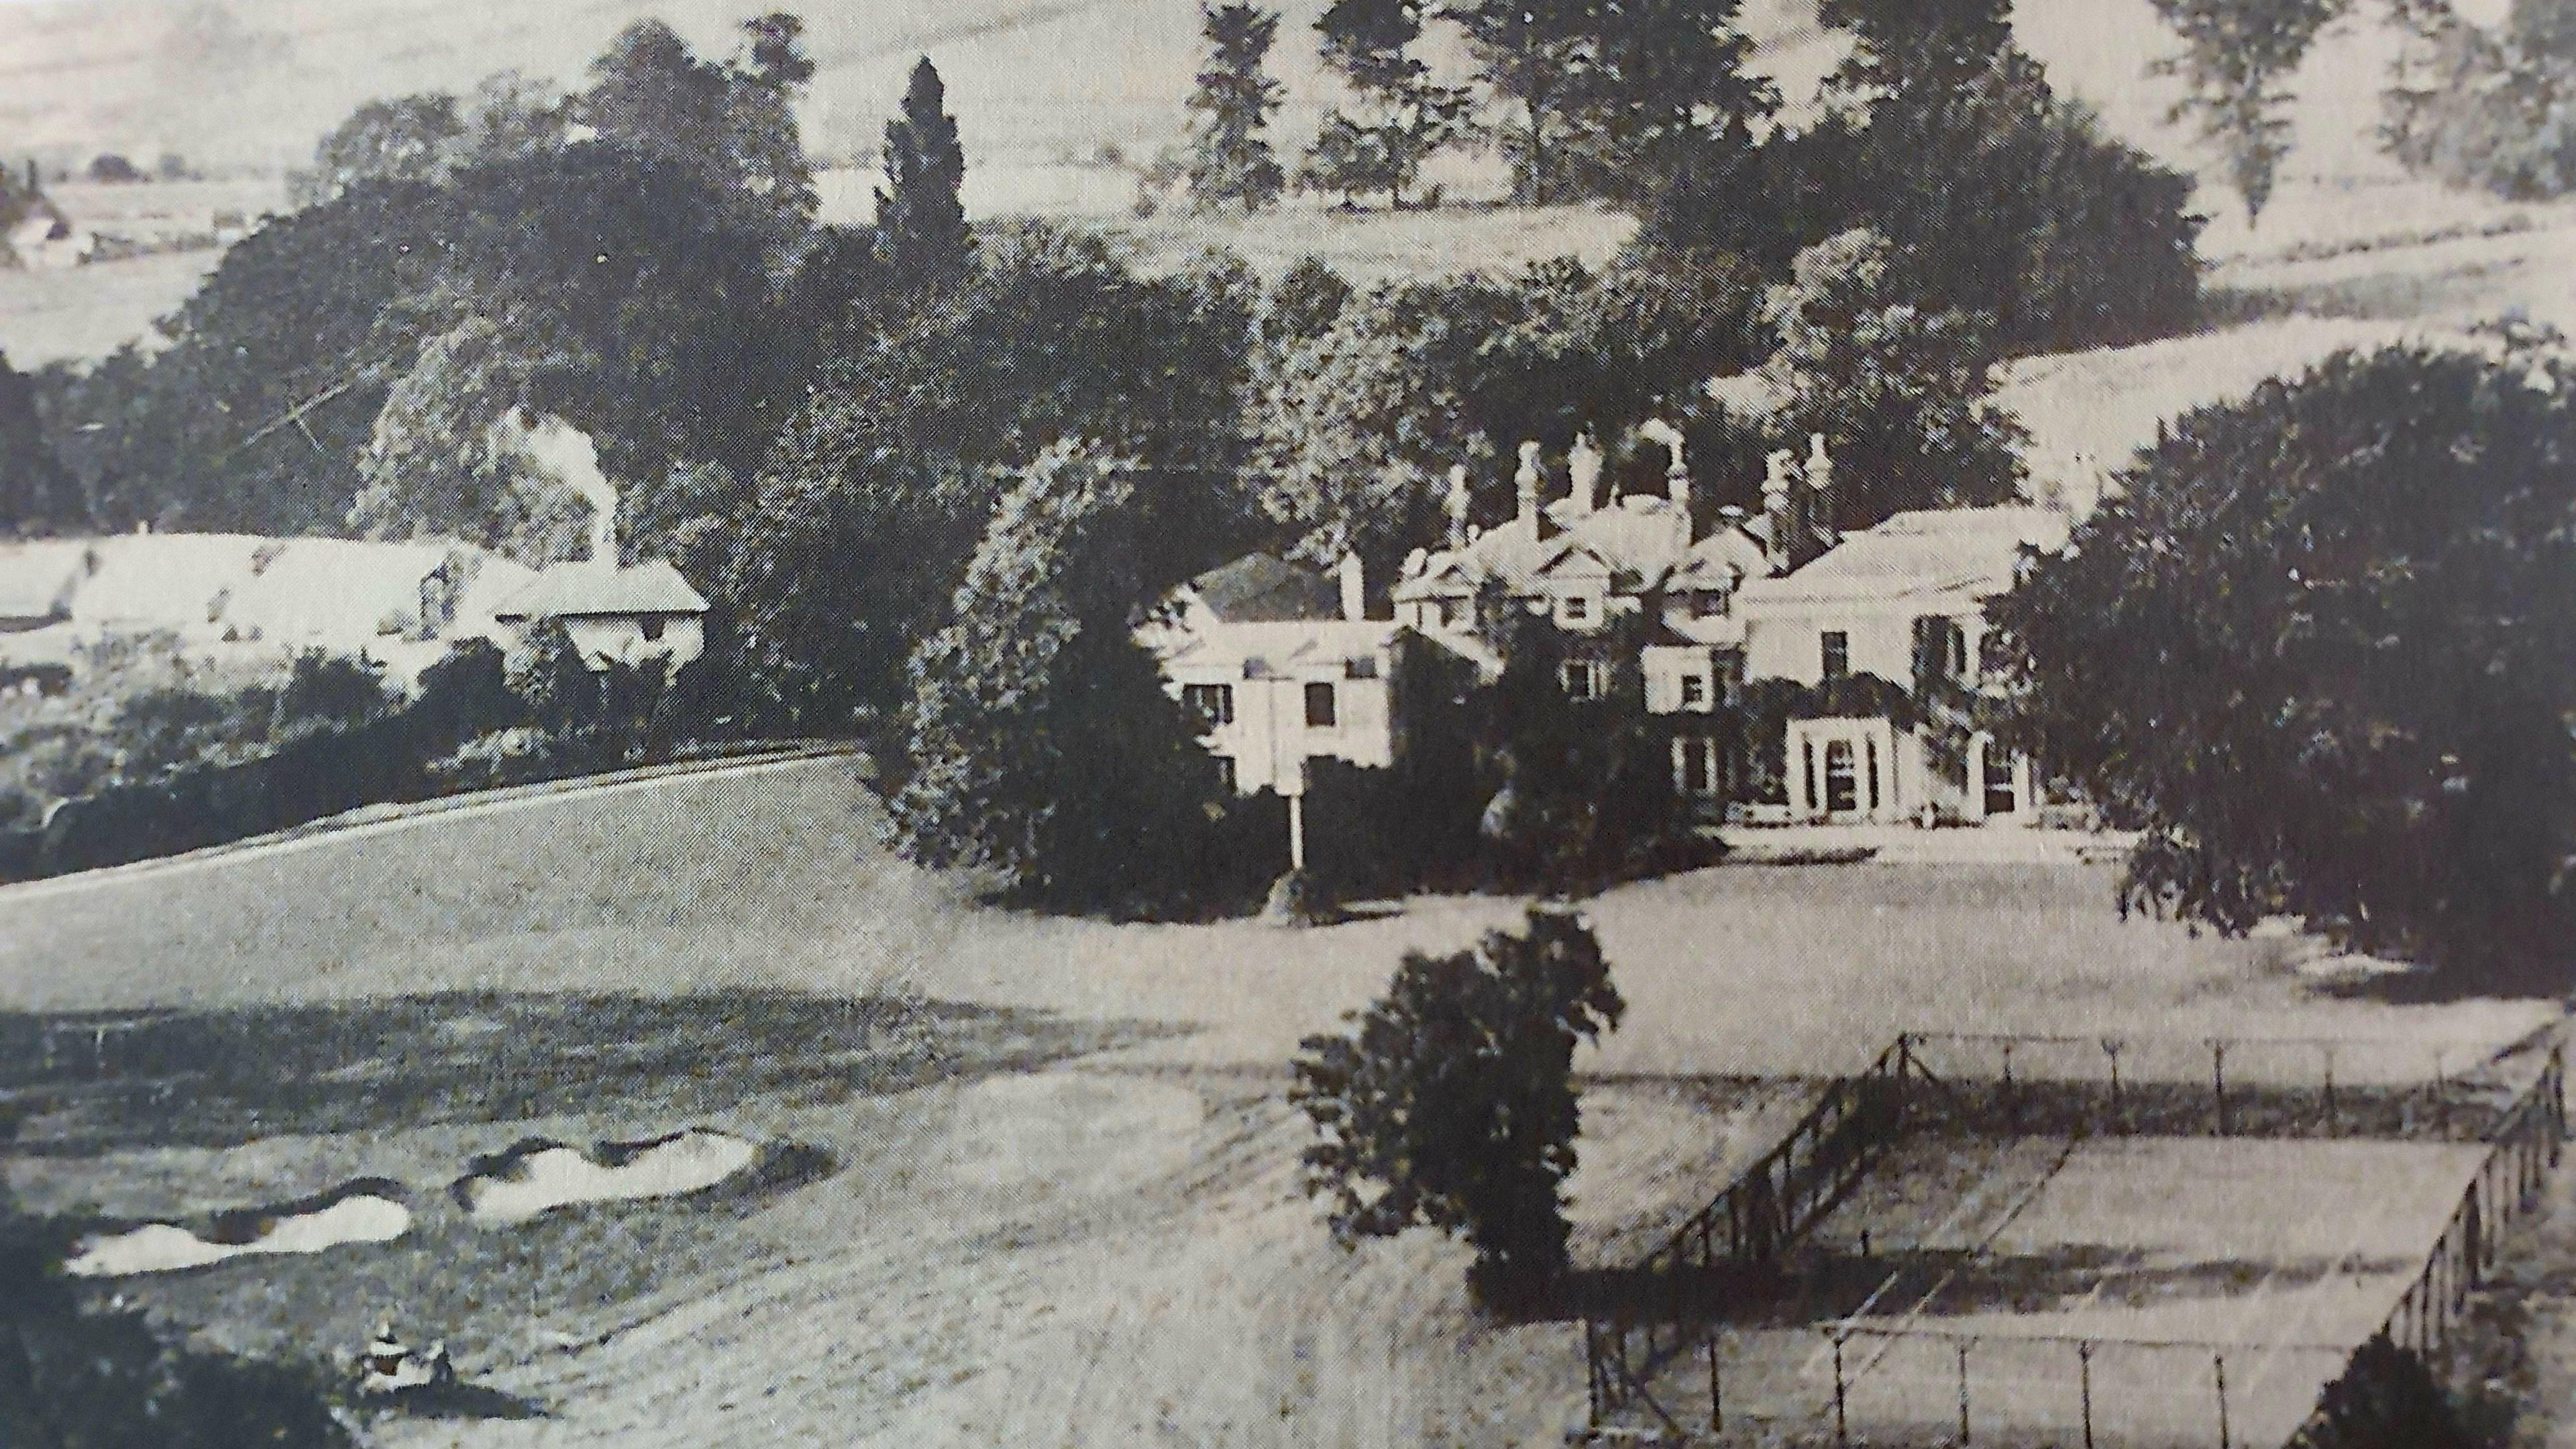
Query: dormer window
[[1694, 691], [652, 628], [1577, 608]]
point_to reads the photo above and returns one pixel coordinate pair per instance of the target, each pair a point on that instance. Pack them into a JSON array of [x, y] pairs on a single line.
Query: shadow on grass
[[1823, 1287], [462, 1401], [93, 1082]]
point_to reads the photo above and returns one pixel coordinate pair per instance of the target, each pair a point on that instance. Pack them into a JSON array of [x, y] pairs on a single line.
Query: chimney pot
[[1525, 485], [1583, 467], [1354, 581]]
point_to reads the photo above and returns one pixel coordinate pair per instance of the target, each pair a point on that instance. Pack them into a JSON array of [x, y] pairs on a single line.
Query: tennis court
[[2147, 1291]]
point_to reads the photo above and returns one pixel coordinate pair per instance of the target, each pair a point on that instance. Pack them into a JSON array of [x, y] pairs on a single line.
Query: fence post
[[1842, 1425], [1716, 1387], [2330, 1101], [2111, 1048], [1963, 1389], [2012, 1101], [2084, 1369], [2218, 1076], [2219, 1360]]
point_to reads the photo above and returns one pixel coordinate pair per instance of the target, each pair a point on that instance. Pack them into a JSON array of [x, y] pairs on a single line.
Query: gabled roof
[[1278, 645], [1260, 587], [1966, 554], [593, 589]]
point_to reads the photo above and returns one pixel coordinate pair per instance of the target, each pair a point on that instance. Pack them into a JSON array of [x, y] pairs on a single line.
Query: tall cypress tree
[[922, 235], [1230, 159]]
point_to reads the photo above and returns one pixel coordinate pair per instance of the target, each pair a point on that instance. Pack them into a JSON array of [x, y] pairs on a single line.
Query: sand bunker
[[346, 1217], [536, 1177]]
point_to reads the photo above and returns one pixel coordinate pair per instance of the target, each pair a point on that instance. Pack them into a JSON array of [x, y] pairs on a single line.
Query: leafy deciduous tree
[[1902, 395], [2237, 56], [1452, 1103], [2322, 646]]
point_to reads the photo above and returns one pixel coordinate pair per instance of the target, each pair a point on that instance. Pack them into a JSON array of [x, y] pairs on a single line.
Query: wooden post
[[1842, 1425], [1716, 1387], [2218, 1076], [2330, 1102], [2084, 1370], [1963, 1391], [2219, 1362], [2012, 1103], [1297, 831], [2111, 1048]]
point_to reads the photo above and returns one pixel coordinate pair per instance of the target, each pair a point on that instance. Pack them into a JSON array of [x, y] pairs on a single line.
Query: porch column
[[2025, 804], [1681, 771], [1973, 806], [1798, 758]]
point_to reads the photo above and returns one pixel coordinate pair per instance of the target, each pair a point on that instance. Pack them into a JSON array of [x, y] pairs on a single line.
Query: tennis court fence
[[1643, 1359]]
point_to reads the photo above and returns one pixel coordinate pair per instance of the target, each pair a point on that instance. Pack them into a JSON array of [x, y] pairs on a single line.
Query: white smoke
[[567, 454]]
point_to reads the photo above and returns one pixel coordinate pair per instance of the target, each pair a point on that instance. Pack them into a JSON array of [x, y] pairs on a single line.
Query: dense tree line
[[2322, 648]]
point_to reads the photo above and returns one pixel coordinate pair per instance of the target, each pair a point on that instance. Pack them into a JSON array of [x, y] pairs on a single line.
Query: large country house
[[1287, 666]]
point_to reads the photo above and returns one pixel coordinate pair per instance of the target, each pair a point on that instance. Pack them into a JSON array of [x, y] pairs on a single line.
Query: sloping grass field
[[1025, 1180]]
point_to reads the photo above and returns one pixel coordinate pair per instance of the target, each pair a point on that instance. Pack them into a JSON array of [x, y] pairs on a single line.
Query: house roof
[[592, 589], [1280, 645], [1963, 552], [1263, 588]]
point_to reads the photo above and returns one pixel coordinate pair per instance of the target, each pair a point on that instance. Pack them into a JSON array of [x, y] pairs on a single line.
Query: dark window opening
[[1322, 711], [1842, 779], [1213, 703], [1837, 654], [653, 628]]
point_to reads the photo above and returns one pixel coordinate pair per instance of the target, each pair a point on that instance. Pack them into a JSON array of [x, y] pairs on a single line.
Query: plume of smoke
[[566, 454]]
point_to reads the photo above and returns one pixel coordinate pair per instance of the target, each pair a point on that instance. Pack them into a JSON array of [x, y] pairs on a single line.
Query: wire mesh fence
[[2166, 1085], [1913, 1380]]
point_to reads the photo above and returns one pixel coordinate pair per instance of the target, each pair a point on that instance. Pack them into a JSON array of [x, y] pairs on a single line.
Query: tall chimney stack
[[1457, 502], [1525, 489], [1820, 488], [1353, 576], [1780, 509], [1677, 479], [1583, 467]]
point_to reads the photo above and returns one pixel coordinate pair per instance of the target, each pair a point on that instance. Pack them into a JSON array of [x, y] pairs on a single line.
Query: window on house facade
[[1213, 702], [1364, 667], [652, 628], [1842, 779], [1225, 772], [2001, 796], [1586, 678], [1708, 603], [1577, 608], [1322, 710], [1836, 645], [1694, 690]]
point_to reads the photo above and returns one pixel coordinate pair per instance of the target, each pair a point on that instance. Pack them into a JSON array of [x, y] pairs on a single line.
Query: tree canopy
[[1040, 746], [922, 235], [1903, 395], [2322, 646], [1230, 160], [2237, 58], [1451, 1104]]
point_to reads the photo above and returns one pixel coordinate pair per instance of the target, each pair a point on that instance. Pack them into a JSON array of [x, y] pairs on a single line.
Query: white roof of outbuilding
[[592, 590]]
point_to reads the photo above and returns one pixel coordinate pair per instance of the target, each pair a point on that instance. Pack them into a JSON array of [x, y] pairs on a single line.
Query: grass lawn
[[1054, 1189]]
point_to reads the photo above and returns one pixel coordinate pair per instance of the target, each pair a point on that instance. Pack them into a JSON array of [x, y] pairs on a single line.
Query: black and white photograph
[[1287, 724]]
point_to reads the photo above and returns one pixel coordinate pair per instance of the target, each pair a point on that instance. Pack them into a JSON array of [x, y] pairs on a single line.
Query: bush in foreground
[[1453, 1105]]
